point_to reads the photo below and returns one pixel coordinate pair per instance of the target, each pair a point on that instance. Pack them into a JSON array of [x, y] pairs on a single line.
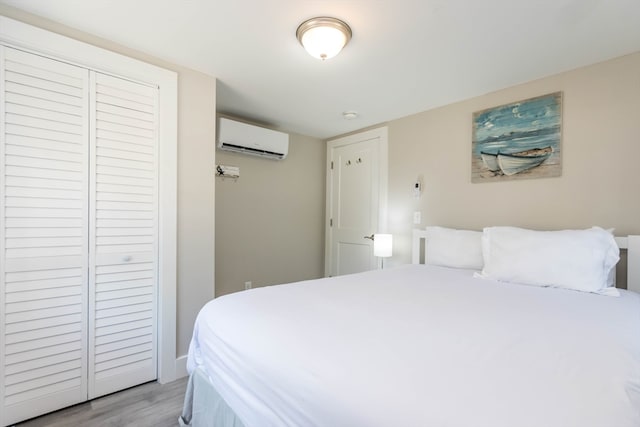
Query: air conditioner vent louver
[[241, 149], [249, 139]]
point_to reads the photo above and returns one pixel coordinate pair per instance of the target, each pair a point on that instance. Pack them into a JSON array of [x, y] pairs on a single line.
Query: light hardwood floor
[[147, 405]]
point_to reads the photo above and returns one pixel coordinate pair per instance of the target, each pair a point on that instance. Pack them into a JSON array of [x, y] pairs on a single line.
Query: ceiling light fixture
[[323, 37]]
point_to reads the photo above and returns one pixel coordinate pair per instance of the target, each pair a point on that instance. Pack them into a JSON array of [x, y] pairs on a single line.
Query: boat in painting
[[513, 163], [490, 161]]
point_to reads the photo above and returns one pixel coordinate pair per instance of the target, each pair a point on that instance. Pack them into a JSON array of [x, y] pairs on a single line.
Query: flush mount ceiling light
[[323, 37]]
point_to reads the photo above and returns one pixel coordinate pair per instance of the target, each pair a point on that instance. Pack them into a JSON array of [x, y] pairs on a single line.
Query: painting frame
[[518, 140]]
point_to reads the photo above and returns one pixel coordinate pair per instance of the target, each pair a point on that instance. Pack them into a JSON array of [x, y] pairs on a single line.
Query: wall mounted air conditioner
[[250, 139]]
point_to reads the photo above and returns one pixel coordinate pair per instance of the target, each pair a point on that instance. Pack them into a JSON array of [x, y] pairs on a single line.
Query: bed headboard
[[630, 243]]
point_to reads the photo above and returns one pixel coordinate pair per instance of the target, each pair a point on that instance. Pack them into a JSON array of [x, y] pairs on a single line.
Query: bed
[[421, 345]]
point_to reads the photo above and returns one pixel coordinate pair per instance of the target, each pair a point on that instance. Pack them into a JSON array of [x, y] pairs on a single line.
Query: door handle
[[127, 258], [369, 237]]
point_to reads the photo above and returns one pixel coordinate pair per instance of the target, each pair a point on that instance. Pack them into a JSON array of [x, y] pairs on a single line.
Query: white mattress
[[422, 346]]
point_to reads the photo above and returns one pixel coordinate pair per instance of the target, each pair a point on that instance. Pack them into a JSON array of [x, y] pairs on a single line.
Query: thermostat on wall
[[417, 189]]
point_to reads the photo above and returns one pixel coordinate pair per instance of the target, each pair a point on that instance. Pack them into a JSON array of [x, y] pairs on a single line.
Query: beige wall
[[600, 171], [196, 157], [196, 198], [270, 221]]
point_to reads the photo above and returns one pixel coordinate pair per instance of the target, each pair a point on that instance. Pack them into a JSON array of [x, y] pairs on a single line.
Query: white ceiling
[[406, 56]]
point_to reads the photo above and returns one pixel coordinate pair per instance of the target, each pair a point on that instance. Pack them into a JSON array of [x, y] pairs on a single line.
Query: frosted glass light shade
[[323, 37], [383, 245]]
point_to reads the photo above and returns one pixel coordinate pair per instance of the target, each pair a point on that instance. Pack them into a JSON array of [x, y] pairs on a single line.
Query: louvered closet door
[[123, 241], [43, 234]]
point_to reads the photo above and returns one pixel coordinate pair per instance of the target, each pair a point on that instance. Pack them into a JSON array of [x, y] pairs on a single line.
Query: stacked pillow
[[581, 260], [454, 248]]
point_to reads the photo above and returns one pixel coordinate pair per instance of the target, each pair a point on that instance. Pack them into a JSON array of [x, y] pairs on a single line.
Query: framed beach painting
[[521, 140]]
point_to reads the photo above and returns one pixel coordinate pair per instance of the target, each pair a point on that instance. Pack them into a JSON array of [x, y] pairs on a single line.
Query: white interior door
[[123, 285], [43, 235], [356, 201]]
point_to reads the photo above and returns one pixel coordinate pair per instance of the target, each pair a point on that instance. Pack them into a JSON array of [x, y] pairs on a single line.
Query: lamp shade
[[323, 37], [383, 245]]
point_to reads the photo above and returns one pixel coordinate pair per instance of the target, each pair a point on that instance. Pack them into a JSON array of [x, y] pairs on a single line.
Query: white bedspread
[[422, 346]]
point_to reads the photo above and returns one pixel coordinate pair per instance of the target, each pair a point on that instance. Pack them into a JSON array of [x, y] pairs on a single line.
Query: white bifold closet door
[[123, 235], [44, 244], [78, 234]]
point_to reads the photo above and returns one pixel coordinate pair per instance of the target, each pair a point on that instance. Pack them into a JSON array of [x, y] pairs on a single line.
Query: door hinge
[[331, 222], [331, 165]]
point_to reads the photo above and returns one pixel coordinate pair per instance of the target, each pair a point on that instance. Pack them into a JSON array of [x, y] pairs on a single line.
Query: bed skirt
[[204, 407]]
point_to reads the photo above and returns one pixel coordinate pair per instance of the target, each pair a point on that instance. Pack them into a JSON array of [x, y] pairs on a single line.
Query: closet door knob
[[127, 258]]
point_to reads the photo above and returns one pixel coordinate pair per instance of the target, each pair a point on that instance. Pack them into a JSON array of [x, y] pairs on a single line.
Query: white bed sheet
[[422, 346]]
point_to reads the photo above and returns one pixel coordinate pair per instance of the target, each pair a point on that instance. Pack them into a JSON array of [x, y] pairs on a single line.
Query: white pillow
[[611, 278], [575, 259], [454, 248]]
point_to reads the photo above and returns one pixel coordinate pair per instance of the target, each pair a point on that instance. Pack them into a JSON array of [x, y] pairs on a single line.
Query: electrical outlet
[[417, 217], [247, 285]]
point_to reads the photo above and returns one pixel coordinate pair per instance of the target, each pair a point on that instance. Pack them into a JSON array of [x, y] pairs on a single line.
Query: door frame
[[45, 43], [382, 135]]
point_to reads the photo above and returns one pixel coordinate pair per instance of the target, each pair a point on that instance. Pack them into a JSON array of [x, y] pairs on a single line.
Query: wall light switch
[[417, 217]]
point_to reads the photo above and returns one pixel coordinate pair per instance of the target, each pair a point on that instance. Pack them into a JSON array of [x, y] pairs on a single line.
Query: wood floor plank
[[147, 405]]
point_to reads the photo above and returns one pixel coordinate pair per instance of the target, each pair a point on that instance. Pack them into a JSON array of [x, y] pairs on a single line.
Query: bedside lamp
[[383, 246]]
